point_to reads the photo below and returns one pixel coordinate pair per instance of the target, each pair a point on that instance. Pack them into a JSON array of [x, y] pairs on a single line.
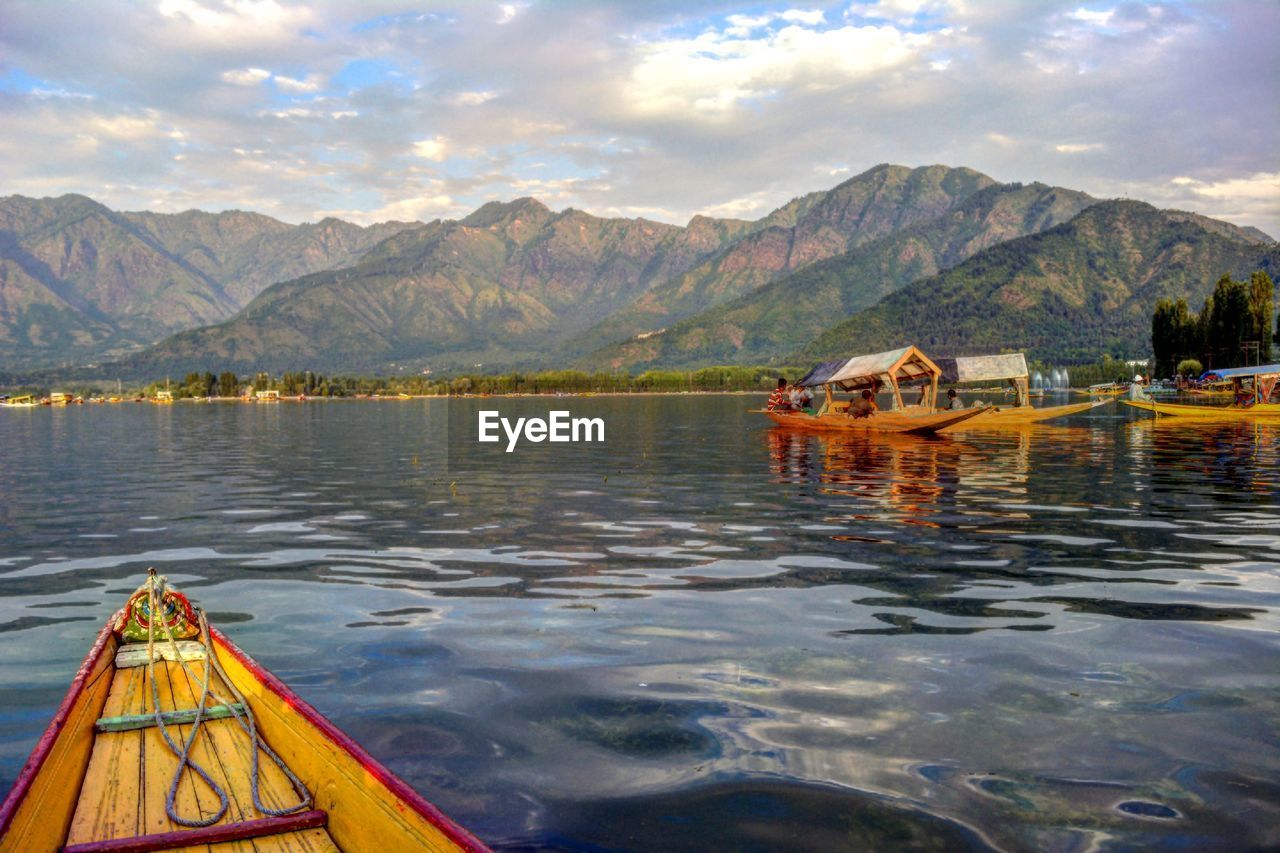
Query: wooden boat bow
[[98, 777]]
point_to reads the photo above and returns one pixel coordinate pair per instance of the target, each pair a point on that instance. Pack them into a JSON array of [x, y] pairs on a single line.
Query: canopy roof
[[863, 371], [983, 368], [1233, 372]]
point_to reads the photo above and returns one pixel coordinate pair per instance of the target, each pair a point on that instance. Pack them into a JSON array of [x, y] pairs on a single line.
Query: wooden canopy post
[[897, 393], [1022, 394]]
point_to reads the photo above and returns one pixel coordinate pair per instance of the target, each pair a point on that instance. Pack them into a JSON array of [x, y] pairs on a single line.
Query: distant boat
[[1011, 367], [162, 397], [99, 777], [1107, 389], [1254, 391], [26, 401]]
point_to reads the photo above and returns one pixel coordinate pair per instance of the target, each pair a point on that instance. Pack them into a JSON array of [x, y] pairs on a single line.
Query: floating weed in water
[[1139, 808], [641, 728]]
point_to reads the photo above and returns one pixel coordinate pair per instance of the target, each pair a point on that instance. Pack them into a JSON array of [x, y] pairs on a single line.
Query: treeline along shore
[[317, 385], [311, 384]]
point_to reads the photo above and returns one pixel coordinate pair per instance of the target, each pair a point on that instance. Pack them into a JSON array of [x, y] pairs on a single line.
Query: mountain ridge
[[769, 322], [80, 281], [1068, 293]]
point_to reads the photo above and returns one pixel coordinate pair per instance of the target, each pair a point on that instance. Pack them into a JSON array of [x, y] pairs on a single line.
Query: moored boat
[[117, 768], [1261, 411], [902, 422], [1254, 389], [1010, 367], [871, 373], [25, 401]]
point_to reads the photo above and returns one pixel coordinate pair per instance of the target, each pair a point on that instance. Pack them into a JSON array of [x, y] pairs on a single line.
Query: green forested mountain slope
[[809, 229], [776, 318], [1084, 287]]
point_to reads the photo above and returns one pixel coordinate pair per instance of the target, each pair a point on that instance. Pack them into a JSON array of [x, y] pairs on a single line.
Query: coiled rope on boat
[[239, 709]]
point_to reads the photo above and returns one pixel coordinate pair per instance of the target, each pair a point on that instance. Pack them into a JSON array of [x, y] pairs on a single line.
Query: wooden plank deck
[[129, 772]]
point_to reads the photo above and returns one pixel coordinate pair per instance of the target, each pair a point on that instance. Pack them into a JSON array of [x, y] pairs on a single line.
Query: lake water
[[705, 633]]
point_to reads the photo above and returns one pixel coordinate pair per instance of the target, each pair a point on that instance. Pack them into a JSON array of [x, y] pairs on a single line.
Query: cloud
[[1093, 17], [313, 83], [375, 107], [718, 70], [1078, 147], [473, 99], [811, 17], [436, 148], [246, 76], [234, 21]]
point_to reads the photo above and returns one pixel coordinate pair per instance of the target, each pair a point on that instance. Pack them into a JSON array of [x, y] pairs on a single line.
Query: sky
[[371, 111]]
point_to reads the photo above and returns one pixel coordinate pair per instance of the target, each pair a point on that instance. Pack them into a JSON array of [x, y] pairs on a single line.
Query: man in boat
[[953, 399], [801, 399], [864, 407], [778, 400]]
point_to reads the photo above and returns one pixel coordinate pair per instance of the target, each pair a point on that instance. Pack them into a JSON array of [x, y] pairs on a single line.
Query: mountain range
[[943, 257], [1088, 283], [80, 282]]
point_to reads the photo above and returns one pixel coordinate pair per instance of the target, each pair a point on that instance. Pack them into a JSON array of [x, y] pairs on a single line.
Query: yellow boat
[[106, 775], [912, 420], [882, 370], [26, 401], [1253, 390], [1259, 411], [1011, 367]]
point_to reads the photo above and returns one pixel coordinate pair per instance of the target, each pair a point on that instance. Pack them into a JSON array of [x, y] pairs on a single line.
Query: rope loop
[[156, 585]]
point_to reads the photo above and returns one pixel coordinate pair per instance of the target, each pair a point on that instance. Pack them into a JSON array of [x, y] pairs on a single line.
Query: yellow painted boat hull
[[1017, 416], [904, 422], [1257, 412], [86, 790]]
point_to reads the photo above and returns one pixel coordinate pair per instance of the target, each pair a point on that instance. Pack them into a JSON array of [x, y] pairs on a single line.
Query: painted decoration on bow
[[176, 615]]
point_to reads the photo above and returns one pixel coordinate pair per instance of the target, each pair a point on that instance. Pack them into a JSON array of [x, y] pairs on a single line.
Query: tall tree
[[1261, 307], [1175, 335], [1202, 332], [228, 384], [1229, 322], [1163, 337]]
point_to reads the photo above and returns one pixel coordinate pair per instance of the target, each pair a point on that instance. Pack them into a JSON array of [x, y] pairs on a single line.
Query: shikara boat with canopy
[[1254, 390], [1011, 367], [878, 371], [172, 738]]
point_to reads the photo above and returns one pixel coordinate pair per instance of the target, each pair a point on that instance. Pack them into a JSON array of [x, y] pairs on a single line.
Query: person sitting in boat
[[778, 400], [801, 399], [865, 406], [953, 399]]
